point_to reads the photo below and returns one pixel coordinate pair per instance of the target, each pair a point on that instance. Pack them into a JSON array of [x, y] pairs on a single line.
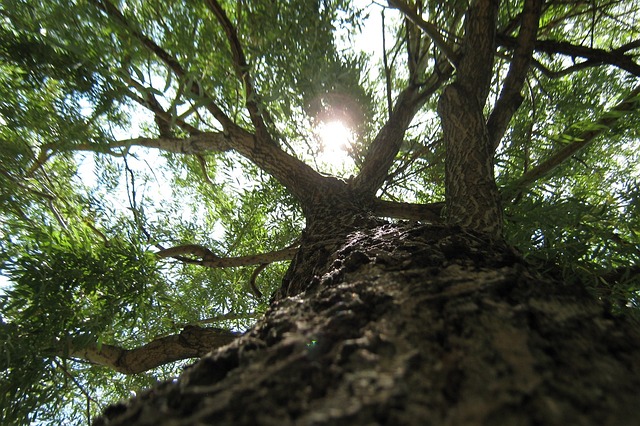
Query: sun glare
[[335, 139]]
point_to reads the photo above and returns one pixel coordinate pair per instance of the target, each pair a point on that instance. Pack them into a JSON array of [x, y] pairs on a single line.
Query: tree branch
[[409, 211], [303, 182], [387, 69], [431, 30], [510, 97], [199, 143], [242, 70], [475, 68], [472, 196], [191, 342], [151, 103], [615, 57], [115, 14], [385, 146], [604, 123], [566, 71], [227, 317], [209, 259]]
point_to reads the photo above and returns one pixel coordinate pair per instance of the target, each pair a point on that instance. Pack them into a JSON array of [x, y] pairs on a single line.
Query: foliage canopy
[[114, 146]]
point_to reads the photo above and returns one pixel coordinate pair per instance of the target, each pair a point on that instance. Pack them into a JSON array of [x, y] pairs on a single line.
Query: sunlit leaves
[[66, 290]]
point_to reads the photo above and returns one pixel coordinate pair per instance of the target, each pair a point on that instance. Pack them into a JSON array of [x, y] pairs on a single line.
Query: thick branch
[[385, 146], [471, 194], [209, 259], [192, 342], [593, 130], [423, 212], [615, 57], [510, 98], [303, 182], [475, 68]]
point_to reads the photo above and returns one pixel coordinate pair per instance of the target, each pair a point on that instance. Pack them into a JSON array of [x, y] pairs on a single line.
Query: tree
[[478, 264]]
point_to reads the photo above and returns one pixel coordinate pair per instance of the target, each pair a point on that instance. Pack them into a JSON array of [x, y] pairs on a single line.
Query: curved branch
[[252, 281], [566, 71], [616, 57], [510, 97], [604, 123], [209, 259], [303, 182], [191, 342]]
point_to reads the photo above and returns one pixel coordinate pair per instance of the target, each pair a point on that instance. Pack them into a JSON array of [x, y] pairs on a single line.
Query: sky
[[334, 137]]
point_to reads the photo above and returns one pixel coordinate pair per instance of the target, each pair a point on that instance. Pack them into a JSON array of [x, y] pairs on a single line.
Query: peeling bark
[[414, 324]]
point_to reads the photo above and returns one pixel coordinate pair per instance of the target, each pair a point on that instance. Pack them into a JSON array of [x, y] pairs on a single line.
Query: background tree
[[159, 163]]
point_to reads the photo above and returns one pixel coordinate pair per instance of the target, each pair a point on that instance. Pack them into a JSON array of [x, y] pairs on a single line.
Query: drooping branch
[[580, 141], [191, 342], [510, 97], [616, 57]]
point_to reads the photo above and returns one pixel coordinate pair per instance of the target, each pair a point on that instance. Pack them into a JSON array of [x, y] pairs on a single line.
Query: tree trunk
[[411, 324]]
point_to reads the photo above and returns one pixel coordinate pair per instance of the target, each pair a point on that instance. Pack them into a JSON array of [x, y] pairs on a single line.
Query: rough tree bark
[[412, 324]]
